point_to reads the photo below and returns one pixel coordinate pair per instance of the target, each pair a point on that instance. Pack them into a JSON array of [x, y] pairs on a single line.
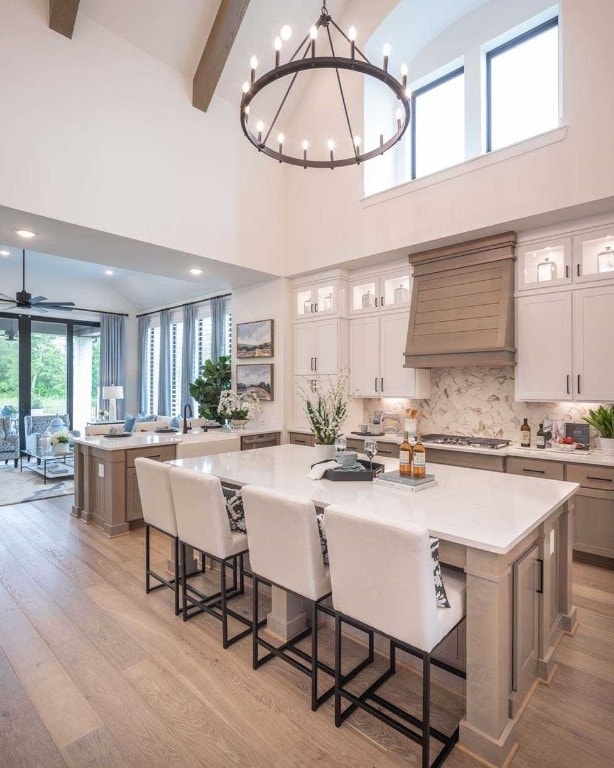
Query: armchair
[[9, 441], [34, 426]]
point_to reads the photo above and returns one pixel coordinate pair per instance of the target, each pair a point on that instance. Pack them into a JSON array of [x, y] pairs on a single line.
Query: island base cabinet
[[594, 523], [526, 619]]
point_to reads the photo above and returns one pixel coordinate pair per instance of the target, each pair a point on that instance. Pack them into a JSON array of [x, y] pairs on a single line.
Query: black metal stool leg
[[223, 599], [184, 578], [147, 581], [426, 710], [241, 575], [337, 671], [177, 576], [314, 656], [255, 622]]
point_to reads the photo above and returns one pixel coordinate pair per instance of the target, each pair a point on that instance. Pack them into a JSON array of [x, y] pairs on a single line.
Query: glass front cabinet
[[544, 264], [594, 255], [373, 293], [325, 298]]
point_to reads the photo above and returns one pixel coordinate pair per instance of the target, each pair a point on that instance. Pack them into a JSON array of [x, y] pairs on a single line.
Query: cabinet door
[[326, 347], [304, 349], [594, 523], [542, 265], [395, 290], [364, 356], [134, 511], [594, 255], [593, 344], [543, 340], [395, 380], [304, 302], [525, 617]]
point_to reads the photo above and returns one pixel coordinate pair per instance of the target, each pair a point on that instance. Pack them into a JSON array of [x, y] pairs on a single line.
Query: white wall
[[98, 133], [328, 223]]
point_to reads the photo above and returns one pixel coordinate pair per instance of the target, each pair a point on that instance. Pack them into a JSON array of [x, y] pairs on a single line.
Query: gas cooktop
[[467, 442]]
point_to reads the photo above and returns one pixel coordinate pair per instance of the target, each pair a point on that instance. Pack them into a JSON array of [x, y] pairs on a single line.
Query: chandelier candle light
[[309, 56]]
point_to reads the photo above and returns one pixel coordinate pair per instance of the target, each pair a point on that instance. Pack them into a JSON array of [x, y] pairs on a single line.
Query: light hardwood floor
[[95, 673]]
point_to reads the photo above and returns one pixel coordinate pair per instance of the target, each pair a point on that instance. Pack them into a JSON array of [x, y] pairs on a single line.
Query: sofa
[[35, 426], [9, 441]]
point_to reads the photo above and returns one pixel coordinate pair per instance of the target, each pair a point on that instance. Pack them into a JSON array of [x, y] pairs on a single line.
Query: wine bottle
[[405, 456], [419, 460], [540, 438], [525, 434]]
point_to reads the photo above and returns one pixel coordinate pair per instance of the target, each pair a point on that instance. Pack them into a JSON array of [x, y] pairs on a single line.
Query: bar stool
[[159, 513], [202, 523], [396, 598], [285, 552]]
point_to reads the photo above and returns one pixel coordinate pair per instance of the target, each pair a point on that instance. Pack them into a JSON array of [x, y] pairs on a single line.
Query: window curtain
[[112, 357], [164, 381], [218, 305], [187, 356], [143, 327]]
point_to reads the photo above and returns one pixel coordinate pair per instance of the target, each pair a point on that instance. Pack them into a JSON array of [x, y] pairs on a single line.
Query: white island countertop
[[491, 511], [144, 439]]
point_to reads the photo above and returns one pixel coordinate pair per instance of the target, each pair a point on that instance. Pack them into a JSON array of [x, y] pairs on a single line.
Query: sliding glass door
[[85, 374], [48, 367], [9, 368]]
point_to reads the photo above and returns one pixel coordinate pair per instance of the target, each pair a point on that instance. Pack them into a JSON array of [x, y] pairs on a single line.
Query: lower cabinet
[[389, 450], [263, 440], [548, 470], [300, 438], [525, 617], [594, 523], [134, 511], [465, 459]]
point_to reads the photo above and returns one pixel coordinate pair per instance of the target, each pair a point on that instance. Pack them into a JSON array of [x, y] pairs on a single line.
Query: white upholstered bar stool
[[159, 513], [285, 552], [202, 523], [396, 597]]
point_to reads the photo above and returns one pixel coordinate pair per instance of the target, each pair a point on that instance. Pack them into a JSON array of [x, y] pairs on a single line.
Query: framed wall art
[[256, 378], [255, 339]]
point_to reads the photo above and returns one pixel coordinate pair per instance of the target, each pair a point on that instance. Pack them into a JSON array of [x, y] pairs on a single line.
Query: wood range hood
[[462, 305]]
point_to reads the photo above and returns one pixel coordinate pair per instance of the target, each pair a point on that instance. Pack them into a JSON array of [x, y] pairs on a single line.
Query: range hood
[[462, 307]]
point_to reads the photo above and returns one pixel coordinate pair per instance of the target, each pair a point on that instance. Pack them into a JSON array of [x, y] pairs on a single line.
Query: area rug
[[16, 486]]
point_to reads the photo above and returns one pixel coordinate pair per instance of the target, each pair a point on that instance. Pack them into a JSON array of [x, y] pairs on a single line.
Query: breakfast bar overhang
[[512, 537]]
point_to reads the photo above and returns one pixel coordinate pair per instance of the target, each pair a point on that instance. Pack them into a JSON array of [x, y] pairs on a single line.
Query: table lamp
[[113, 394]]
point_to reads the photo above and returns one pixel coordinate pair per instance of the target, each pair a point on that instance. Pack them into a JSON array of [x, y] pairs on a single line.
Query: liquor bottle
[[419, 460], [525, 434], [540, 438], [405, 456]]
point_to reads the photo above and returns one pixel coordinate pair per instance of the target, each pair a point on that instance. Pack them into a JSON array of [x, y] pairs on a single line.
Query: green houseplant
[[326, 403], [214, 378], [602, 420]]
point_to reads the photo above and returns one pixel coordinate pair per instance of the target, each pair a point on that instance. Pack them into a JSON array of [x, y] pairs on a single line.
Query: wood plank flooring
[[95, 673]]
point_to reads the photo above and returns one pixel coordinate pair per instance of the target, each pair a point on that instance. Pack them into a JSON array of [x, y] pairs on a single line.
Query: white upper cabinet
[[320, 347], [543, 339], [377, 292], [544, 264], [313, 300], [593, 344], [594, 255], [377, 361]]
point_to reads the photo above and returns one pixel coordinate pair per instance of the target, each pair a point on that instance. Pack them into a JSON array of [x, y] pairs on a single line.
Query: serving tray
[[349, 475]]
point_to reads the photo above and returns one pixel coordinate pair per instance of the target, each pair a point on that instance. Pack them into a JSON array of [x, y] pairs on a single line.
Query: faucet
[[187, 407]]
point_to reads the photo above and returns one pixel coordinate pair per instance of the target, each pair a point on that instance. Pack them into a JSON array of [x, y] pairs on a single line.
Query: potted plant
[[206, 389], [60, 442], [603, 421], [326, 403], [239, 409]]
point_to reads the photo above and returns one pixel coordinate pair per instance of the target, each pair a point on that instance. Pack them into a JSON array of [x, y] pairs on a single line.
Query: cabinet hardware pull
[[536, 471], [316, 305], [315, 360], [566, 270], [382, 302], [602, 479], [578, 383], [311, 363], [567, 383], [311, 310], [381, 385], [578, 269], [376, 301], [540, 562], [376, 383]]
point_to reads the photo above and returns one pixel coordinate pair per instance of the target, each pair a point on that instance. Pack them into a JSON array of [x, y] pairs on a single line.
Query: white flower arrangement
[[59, 437], [326, 406], [234, 406]]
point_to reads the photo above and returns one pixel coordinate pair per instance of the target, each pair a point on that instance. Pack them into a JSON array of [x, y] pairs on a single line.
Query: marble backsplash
[[477, 401]]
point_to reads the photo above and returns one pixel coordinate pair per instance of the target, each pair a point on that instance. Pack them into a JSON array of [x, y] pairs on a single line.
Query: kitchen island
[[106, 488], [510, 534]]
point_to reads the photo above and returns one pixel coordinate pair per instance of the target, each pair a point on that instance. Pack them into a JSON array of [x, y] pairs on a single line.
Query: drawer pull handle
[[601, 479], [536, 471], [540, 589]]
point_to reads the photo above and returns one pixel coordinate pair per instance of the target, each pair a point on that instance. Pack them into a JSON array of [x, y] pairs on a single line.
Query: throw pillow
[[440, 590], [140, 418], [129, 422], [175, 423], [322, 533], [234, 509]]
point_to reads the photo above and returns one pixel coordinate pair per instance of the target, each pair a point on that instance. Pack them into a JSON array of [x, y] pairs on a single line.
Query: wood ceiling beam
[[217, 48], [62, 16]]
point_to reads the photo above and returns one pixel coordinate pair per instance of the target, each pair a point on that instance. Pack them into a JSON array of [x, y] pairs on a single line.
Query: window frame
[[456, 72], [498, 50]]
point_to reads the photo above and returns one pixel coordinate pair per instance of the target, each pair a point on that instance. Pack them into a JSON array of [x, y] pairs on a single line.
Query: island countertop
[[145, 439], [491, 511]]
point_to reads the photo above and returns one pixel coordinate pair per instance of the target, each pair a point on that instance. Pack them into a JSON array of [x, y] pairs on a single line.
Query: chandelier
[[314, 53]]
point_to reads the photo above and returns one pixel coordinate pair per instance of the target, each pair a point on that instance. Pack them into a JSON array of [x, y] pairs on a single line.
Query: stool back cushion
[[200, 507], [382, 575], [155, 490], [284, 545]]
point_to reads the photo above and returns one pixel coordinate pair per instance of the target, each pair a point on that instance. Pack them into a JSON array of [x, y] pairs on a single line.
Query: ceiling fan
[[24, 300]]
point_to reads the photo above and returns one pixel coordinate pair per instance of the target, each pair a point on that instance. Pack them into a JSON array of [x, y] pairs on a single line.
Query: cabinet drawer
[[389, 450], [591, 477], [461, 459], [299, 438], [155, 452], [550, 470], [355, 445], [263, 440]]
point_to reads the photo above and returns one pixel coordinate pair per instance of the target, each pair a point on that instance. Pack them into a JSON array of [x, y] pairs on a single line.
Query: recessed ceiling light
[[108, 272], [25, 233], [5, 253], [196, 272]]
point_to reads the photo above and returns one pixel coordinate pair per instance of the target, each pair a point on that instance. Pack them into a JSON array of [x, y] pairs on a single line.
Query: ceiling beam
[[222, 36], [62, 16]]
